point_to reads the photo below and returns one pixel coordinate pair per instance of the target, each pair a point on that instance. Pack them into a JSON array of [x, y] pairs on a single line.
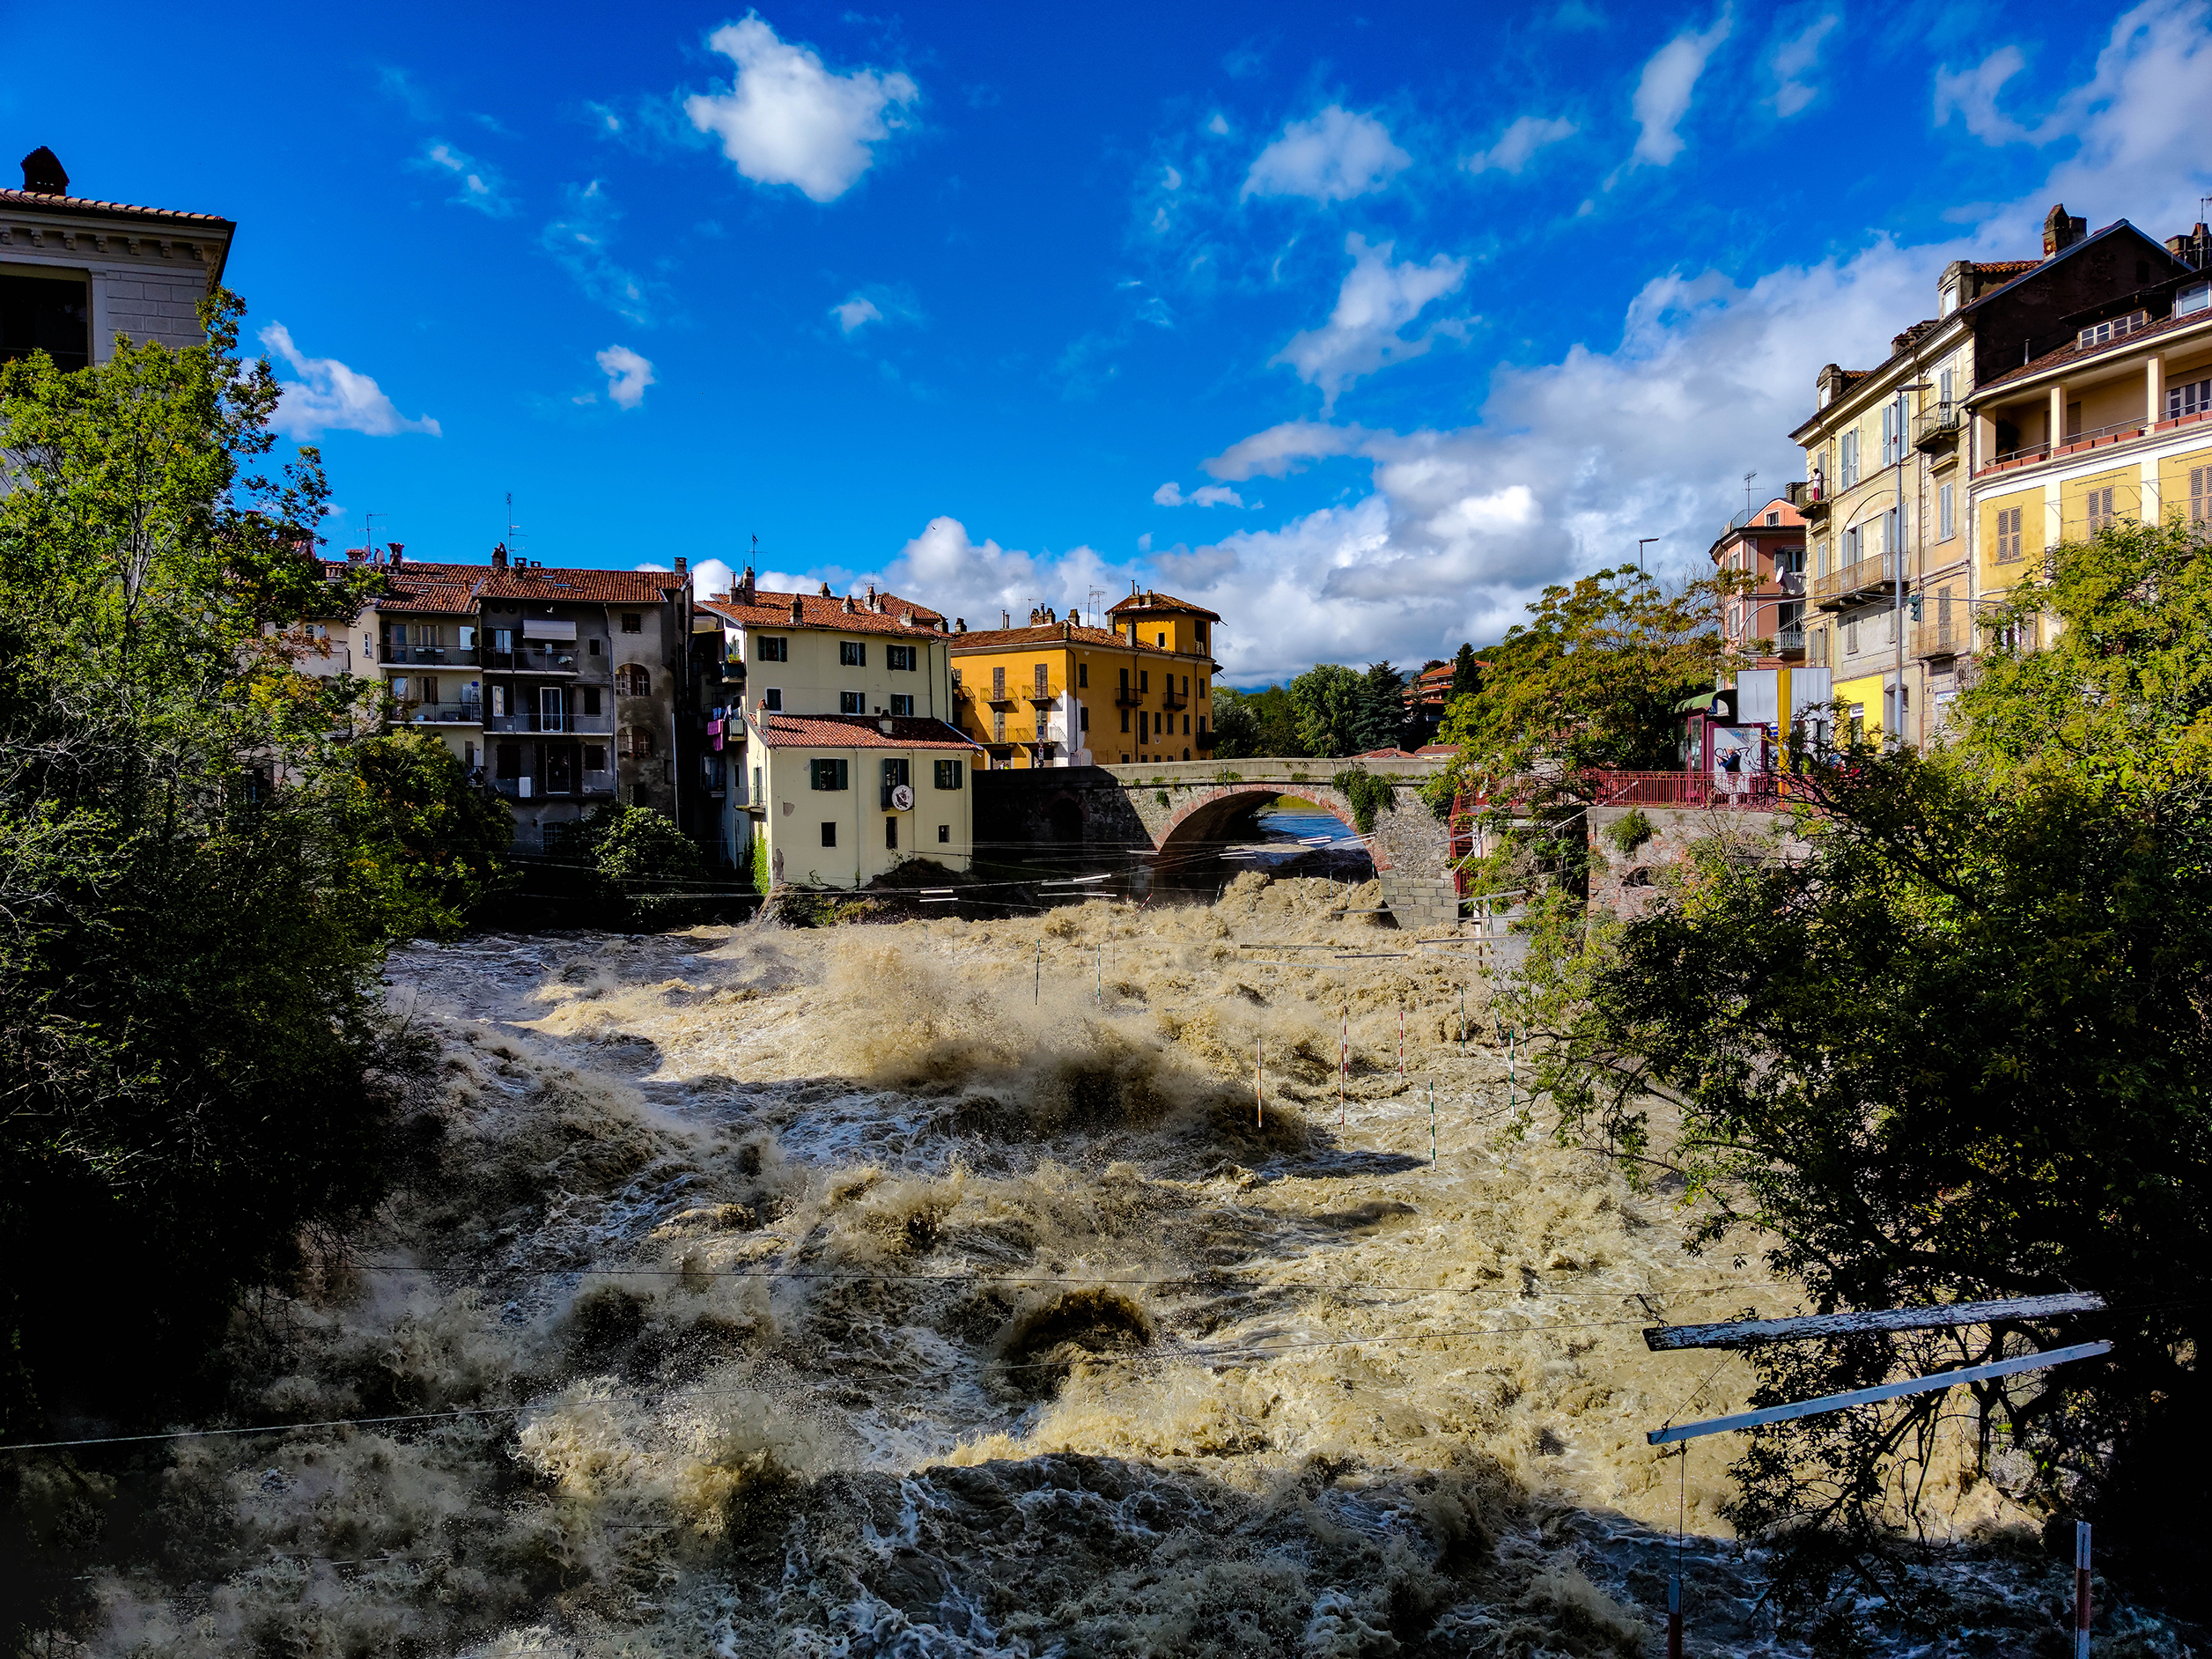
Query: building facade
[[563, 688], [1056, 693], [75, 273], [1763, 549], [830, 753], [1890, 454]]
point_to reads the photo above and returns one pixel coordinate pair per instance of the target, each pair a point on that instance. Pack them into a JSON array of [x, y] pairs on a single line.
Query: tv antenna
[[1747, 495], [368, 537], [1095, 602]]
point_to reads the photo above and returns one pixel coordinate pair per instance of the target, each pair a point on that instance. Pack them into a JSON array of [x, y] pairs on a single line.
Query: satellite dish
[[902, 797]]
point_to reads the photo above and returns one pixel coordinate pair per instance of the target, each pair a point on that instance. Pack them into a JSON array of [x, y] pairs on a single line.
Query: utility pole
[[1641, 544]]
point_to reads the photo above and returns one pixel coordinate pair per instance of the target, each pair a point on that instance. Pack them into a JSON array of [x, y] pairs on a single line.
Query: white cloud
[[1663, 93], [1332, 158], [479, 184], [628, 375], [1519, 144], [787, 120], [855, 312], [580, 242], [1792, 58], [1363, 332], [1973, 94], [1170, 495], [1219, 126], [329, 397]]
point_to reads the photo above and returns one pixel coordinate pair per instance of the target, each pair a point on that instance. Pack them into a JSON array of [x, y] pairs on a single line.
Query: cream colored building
[[830, 738], [1895, 469]]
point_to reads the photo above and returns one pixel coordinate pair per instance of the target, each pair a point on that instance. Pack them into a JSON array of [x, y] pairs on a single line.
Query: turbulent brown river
[[946, 1288]]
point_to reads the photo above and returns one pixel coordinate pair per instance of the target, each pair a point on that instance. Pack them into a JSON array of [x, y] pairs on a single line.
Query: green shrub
[[1367, 794], [1631, 832], [648, 863]]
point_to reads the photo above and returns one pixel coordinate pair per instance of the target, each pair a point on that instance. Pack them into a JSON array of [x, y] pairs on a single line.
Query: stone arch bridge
[[1152, 814]]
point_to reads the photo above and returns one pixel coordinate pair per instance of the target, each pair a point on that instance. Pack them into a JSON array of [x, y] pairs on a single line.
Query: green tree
[[1591, 680], [191, 918], [1255, 723], [1382, 720], [1466, 673], [647, 863], [1331, 703], [440, 836], [1957, 1052]]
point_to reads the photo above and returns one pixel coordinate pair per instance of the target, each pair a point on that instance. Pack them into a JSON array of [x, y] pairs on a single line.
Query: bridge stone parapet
[[1149, 813]]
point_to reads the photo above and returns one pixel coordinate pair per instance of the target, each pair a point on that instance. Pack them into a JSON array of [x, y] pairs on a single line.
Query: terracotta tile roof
[[429, 599], [32, 199], [770, 609], [1428, 749], [1150, 600], [856, 731], [543, 582], [1382, 754], [1054, 634], [2006, 267]]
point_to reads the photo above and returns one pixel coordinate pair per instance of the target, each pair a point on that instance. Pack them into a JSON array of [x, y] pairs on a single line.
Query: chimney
[[873, 602], [960, 625], [1005, 619], [397, 551], [2061, 230], [847, 607], [825, 590], [906, 619], [2191, 249], [42, 174], [797, 614], [499, 556], [681, 564], [744, 594]]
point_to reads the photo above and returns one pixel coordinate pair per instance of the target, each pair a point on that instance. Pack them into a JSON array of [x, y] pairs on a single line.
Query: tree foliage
[[1958, 1051], [646, 863], [441, 835], [195, 885]]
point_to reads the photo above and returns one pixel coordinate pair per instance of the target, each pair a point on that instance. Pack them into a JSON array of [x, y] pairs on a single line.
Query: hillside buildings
[[830, 756], [76, 272], [1056, 693], [563, 688], [1764, 548], [2035, 405]]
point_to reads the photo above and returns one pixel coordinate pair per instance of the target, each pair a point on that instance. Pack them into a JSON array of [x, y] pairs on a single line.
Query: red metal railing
[[1756, 791]]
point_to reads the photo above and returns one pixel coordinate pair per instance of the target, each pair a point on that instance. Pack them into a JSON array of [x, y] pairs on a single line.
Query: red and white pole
[[1344, 1064], [1259, 1081], [1401, 1043], [2081, 1589], [1674, 1617]]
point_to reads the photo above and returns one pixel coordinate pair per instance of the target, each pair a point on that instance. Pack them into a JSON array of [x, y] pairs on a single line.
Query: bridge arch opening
[[1232, 829]]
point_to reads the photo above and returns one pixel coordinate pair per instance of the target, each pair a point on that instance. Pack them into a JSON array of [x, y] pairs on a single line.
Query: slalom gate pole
[[1401, 1043], [1462, 1019], [2081, 1589], [1039, 989], [1432, 1123], [1099, 989], [1259, 1082], [1674, 1617]]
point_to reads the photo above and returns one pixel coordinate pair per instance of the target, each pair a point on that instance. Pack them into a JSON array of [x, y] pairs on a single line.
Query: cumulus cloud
[[329, 397], [476, 183], [628, 375], [1662, 93], [1334, 157], [1517, 146], [787, 119], [855, 312], [1170, 495], [1365, 331], [1792, 59]]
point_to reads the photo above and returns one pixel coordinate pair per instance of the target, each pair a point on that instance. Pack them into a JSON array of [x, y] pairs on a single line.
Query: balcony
[[1809, 500], [431, 656], [1938, 429], [441, 714], [999, 697], [1042, 694], [1172, 700], [1790, 641], [585, 725], [1753, 791], [1866, 579], [539, 660], [1954, 638], [592, 785], [1123, 698]]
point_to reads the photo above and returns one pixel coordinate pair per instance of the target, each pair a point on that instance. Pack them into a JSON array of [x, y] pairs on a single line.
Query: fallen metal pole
[[1888, 1391], [1746, 1333]]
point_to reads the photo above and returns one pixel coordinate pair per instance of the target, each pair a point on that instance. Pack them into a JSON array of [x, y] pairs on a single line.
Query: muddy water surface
[[952, 1288]]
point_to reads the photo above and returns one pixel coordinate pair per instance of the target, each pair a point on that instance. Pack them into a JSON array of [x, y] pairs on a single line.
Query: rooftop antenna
[[368, 536], [1747, 496], [1097, 601]]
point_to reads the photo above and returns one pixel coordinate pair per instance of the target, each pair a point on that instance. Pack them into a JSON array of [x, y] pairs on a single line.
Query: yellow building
[[1056, 693], [2115, 423]]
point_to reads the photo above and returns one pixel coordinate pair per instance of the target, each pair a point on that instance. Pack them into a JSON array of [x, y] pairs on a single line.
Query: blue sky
[[1359, 326]]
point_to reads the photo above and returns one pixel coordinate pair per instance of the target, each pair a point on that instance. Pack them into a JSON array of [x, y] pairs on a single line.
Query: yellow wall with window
[[2125, 484], [1094, 674], [1997, 573], [2185, 486], [1864, 694]]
